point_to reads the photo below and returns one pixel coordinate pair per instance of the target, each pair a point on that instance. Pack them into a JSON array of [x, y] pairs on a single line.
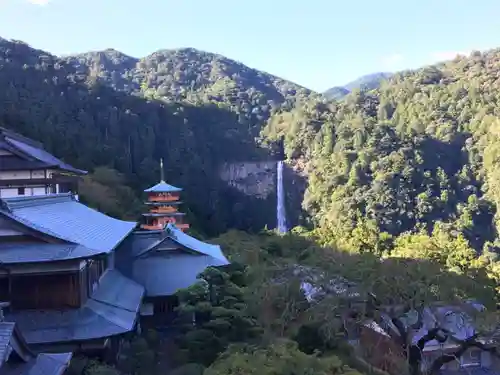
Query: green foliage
[[420, 149], [279, 358], [221, 316]]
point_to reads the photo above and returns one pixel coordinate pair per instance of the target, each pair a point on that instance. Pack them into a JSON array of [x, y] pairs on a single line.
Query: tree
[[401, 293], [220, 313], [279, 358]]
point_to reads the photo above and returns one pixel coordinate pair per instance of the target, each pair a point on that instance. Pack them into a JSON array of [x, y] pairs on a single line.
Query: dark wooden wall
[[52, 291]]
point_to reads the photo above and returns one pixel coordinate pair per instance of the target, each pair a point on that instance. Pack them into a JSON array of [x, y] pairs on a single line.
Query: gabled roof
[[162, 187], [158, 260], [62, 216], [165, 275], [111, 310], [193, 244], [46, 252], [33, 150]]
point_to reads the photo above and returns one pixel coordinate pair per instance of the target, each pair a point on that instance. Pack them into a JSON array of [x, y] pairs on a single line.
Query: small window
[[20, 191]]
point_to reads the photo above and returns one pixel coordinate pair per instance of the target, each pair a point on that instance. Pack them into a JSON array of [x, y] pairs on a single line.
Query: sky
[[315, 43]]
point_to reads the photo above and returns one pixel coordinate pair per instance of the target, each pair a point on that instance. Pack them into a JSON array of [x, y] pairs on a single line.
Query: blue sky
[[316, 43]]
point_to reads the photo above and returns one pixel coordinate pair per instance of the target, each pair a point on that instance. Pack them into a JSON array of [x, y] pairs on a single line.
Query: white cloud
[[392, 62], [447, 55], [38, 2]]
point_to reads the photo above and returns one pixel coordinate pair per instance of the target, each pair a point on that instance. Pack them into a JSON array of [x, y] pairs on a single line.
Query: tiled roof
[[61, 216], [14, 162], [193, 244], [111, 310], [45, 252], [166, 261], [41, 155], [165, 275], [27, 363], [453, 318], [162, 187], [43, 364], [6, 331]]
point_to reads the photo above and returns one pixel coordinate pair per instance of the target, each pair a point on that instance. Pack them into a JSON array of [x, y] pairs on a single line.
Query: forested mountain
[[367, 82], [419, 151], [402, 195], [194, 109], [192, 76]]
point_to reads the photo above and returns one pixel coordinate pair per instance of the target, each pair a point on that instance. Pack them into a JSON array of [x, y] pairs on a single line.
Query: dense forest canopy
[[420, 150]]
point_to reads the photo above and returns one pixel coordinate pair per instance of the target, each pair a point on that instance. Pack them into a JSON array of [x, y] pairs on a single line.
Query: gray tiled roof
[[165, 275], [111, 310], [6, 331], [453, 318], [26, 362], [44, 252], [193, 244], [162, 187], [42, 155], [61, 216], [14, 162], [43, 364]]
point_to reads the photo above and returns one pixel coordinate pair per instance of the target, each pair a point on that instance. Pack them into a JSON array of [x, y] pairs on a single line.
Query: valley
[[390, 190]]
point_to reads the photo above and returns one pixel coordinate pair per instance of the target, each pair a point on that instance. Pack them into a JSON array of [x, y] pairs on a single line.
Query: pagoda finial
[[162, 173]]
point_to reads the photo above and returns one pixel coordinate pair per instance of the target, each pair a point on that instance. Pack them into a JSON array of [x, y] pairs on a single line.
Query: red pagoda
[[163, 202]]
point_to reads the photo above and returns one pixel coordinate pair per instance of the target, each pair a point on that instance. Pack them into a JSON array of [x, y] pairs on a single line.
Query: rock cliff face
[[256, 179]]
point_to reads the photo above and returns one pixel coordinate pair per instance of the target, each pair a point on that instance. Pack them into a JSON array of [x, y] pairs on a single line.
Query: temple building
[[27, 169], [57, 272], [75, 280], [163, 201], [163, 262]]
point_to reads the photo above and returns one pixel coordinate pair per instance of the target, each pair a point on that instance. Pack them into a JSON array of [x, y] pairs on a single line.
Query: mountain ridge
[[365, 82]]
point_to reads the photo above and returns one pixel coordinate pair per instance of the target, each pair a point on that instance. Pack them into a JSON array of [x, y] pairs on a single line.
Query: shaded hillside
[[421, 150], [367, 82], [195, 77], [92, 112]]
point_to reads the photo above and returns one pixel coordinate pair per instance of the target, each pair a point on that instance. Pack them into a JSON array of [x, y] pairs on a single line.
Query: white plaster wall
[[14, 175]]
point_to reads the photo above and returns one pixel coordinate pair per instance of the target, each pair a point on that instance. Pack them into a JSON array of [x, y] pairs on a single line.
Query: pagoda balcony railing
[[160, 226], [163, 199], [163, 210], [151, 226]]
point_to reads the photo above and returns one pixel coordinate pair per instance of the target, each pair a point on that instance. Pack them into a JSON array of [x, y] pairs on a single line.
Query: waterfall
[[280, 206]]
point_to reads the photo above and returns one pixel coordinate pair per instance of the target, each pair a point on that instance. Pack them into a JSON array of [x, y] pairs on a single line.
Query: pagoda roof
[[171, 203], [62, 217], [162, 187], [163, 214], [111, 310], [31, 152]]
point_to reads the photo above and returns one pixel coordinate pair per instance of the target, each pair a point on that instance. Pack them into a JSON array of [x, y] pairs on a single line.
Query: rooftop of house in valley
[[148, 263], [27, 154]]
